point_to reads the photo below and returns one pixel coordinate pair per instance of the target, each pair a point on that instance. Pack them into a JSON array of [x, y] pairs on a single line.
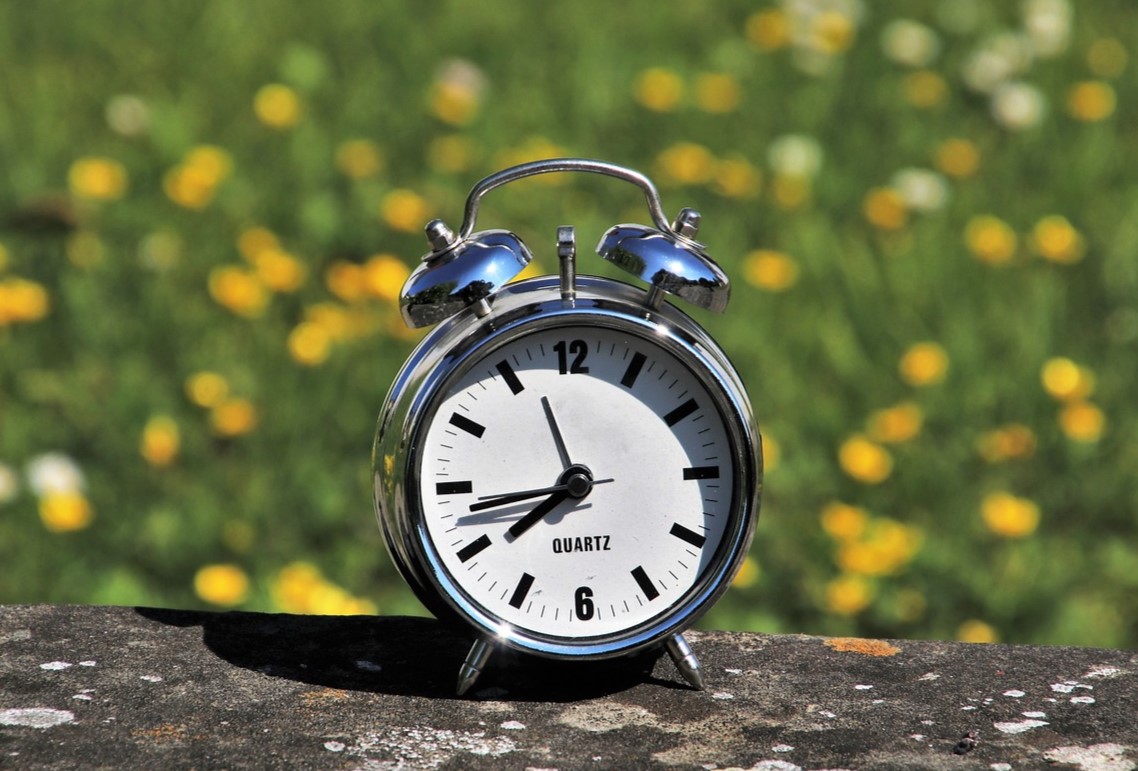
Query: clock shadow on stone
[[402, 656]]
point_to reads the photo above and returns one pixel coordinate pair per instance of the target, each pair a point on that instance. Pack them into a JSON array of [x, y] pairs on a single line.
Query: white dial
[[577, 481]]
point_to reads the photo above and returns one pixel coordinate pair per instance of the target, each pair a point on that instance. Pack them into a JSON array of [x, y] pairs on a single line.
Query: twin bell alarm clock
[[567, 465]]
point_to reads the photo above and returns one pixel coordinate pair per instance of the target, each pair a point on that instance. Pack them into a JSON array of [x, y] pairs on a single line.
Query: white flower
[[795, 155], [463, 74], [1017, 105], [1048, 25], [128, 115], [54, 472], [910, 43], [920, 189], [999, 58], [9, 483]]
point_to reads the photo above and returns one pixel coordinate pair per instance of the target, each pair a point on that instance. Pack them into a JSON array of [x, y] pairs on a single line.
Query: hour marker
[[692, 537], [511, 378], [467, 425], [521, 591], [681, 412], [701, 472], [454, 488], [650, 591], [633, 370], [468, 552]]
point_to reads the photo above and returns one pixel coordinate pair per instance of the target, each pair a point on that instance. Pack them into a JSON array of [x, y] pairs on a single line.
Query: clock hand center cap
[[578, 480]]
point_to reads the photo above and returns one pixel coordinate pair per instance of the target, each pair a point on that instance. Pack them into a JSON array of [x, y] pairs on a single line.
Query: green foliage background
[[122, 337]]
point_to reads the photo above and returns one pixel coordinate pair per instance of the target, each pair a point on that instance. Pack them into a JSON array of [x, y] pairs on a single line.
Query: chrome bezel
[[449, 351]]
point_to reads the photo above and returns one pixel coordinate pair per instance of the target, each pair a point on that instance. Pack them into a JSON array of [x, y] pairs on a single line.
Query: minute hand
[[493, 501]]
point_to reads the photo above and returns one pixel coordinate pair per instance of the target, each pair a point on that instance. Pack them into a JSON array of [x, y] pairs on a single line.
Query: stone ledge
[[122, 687]]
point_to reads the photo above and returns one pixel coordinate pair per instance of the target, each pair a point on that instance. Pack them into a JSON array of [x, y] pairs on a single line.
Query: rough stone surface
[[147, 688]]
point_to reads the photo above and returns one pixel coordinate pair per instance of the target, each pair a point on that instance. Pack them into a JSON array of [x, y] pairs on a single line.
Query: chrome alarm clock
[[567, 465]]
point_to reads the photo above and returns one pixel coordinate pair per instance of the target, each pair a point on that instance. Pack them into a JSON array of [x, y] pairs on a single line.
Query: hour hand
[[538, 512]]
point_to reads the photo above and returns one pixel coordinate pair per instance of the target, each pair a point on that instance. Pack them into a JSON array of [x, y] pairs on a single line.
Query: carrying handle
[[557, 165]]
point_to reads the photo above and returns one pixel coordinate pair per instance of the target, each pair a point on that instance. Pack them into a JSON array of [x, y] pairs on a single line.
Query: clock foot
[[686, 661], [474, 664]]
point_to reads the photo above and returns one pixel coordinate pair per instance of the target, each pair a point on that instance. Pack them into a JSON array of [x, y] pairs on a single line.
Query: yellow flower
[[450, 153], [1082, 421], [279, 271], [456, 94], [770, 270], [686, 163], [334, 319], [832, 32], [1107, 57], [974, 631], [277, 106], [865, 461], [225, 585], [887, 546], [160, 441], [346, 280], [1009, 516], [255, 240], [238, 290], [233, 417], [885, 209], [384, 275], [898, 423], [772, 453], [294, 586], [359, 159], [454, 102], [301, 588], [848, 595], [207, 389], [1053, 238], [22, 301], [958, 158], [1009, 442], [65, 511], [990, 239], [404, 210], [193, 183], [924, 364], [737, 178], [211, 162], [309, 343], [769, 29], [1091, 101], [97, 178], [748, 574], [925, 89], [659, 89], [716, 92], [790, 191], [1065, 380], [843, 522]]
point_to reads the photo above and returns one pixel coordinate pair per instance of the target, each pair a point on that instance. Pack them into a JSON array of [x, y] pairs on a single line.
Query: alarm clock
[[568, 466]]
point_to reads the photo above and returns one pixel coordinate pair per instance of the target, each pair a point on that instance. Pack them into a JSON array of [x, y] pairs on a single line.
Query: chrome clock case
[[463, 283]]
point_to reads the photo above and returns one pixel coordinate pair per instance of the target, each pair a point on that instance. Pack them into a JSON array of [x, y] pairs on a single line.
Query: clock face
[[578, 482]]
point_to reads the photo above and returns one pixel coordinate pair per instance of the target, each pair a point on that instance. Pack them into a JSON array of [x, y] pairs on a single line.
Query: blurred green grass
[[840, 266]]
